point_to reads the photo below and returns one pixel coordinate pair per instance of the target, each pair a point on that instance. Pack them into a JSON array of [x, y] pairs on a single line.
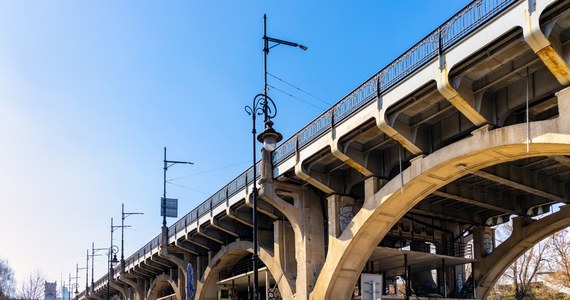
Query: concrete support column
[[564, 110], [284, 257], [284, 249], [340, 212], [136, 284], [306, 218], [371, 186], [181, 283], [482, 235], [199, 267], [309, 243]]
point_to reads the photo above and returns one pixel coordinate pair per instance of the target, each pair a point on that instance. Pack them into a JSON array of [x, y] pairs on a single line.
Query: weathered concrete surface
[[348, 254]]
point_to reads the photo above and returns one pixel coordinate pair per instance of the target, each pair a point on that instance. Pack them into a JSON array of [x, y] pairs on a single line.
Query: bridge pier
[[306, 218], [136, 284]]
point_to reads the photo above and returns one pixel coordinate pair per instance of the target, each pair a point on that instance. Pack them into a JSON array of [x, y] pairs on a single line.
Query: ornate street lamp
[[111, 259], [263, 105]]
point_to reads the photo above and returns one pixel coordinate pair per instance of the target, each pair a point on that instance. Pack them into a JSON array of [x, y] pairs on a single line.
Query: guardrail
[[444, 37]]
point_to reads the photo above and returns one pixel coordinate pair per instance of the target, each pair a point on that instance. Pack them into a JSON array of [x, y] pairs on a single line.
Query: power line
[[300, 89], [208, 171], [185, 187], [292, 96]]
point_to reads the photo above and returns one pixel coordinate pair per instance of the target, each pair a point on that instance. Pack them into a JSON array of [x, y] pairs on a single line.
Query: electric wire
[[208, 171], [185, 187], [295, 97], [298, 88]]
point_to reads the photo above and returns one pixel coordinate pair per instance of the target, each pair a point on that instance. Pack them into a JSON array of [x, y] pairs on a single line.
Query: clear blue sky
[[91, 92]]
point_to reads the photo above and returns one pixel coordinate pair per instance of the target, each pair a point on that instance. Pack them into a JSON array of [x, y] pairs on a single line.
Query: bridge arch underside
[[162, 286], [434, 162], [231, 270], [496, 168]]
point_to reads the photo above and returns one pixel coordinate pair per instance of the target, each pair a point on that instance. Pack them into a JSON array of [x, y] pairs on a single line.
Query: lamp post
[[71, 286], [263, 105], [167, 164], [93, 254], [124, 215], [77, 269], [111, 259], [87, 274]]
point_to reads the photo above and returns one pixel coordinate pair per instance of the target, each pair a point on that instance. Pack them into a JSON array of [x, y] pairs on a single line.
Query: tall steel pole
[[167, 164], [93, 251], [165, 168], [87, 274], [124, 215], [263, 104]]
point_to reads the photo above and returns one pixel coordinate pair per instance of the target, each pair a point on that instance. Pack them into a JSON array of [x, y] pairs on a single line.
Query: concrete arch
[[526, 233], [206, 287], [158, 284], [349, 253]]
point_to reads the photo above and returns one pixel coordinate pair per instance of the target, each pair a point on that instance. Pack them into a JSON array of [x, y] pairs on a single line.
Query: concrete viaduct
[[403, 179]]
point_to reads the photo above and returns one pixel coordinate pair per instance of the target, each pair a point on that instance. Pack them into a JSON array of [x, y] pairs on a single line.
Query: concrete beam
[[210, 233], [230, 228], [190, 248], [519, 186], [314, 179], [540, 44], [473, 202], [354, 159], [462, 101], [238, 216], [199, 241]]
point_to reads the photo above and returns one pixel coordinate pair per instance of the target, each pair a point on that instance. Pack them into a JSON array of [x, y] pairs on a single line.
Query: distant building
[[50, 290], [64, 293]]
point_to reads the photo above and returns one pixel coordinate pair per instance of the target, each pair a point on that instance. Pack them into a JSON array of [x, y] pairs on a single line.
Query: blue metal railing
[[438, 41]]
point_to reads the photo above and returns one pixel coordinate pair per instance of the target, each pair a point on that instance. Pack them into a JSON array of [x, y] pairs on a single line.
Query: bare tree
[[560, 261], [7, 282], [526, 268], [33, 287], [524, 272]]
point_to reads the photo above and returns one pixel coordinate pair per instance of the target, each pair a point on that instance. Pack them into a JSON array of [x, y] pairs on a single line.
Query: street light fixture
[[124, 215], [263, 105], [111, 259]]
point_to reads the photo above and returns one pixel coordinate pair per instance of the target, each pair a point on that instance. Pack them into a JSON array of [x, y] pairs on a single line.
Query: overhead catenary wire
[[295, 97], [185, 187], [208, 171], [300, 89]]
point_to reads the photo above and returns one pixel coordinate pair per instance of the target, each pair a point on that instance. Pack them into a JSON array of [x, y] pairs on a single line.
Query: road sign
[[169, 207]]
